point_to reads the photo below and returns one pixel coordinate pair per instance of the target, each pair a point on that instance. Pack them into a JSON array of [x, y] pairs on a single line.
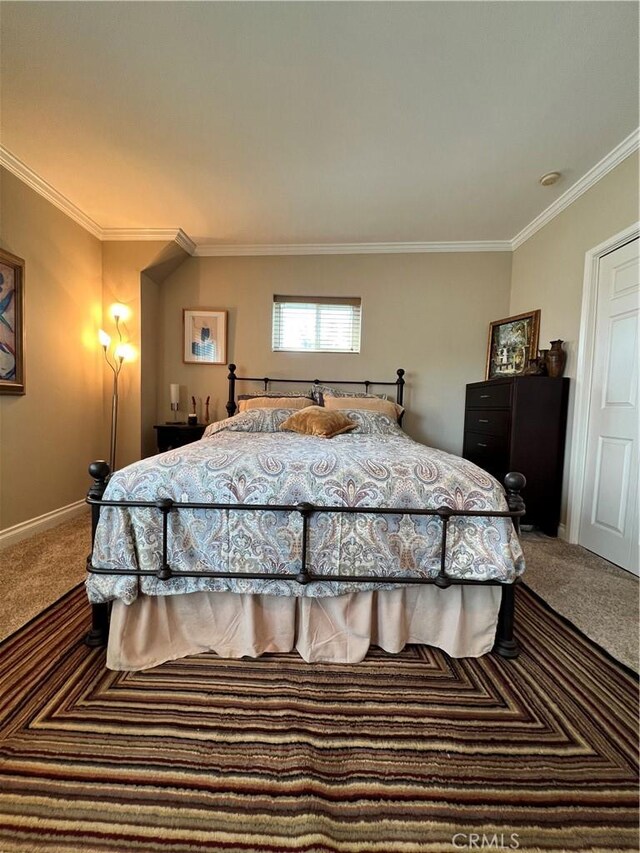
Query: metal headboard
[[266, 381]]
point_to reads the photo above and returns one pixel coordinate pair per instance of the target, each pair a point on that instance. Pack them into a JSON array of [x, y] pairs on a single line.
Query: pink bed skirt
[[460, 620]]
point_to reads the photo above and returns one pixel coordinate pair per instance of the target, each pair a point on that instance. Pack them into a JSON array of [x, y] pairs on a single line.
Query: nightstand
[[171, 436]]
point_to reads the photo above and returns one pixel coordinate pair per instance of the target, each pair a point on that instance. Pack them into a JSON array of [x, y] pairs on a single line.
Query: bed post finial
[[400, 386], [515, 483], [231, 402], [100, 472], [99, 632]]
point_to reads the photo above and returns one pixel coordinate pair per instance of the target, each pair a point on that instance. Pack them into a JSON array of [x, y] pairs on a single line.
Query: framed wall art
[[11, 324], [205, 336], [512, 342]]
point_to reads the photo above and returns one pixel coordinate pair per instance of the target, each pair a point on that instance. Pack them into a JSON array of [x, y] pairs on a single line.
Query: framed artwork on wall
[[205, 336], [512, 343], [11, 324]]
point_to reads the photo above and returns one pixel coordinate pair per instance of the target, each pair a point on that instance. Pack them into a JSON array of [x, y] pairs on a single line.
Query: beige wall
[[548, 270], [427, 313], [128, 267], [49, 435], [171, 257], [149, 351]]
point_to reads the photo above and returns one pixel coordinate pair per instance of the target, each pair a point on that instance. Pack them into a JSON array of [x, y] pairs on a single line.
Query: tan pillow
[[371, 404], [274, 403], [314, 420]]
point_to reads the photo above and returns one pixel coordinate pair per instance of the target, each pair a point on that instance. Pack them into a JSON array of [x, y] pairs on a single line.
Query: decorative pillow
[[372, 423], [255, 420], [319, 392], [371, 404], [314, 420], [246, 402]]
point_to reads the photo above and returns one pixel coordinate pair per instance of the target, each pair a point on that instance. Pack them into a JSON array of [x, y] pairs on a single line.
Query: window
[[316, 324]]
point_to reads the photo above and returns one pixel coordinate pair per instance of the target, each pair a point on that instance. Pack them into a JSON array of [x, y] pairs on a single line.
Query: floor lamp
[[120, 353]]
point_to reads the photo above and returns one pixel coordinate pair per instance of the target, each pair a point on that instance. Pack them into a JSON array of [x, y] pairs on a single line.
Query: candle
[[174, 391]]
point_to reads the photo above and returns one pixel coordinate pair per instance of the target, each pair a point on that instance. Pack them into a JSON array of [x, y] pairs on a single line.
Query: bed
[[262, 537]]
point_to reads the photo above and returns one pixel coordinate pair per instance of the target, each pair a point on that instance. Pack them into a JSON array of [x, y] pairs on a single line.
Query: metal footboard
[[514, 482]]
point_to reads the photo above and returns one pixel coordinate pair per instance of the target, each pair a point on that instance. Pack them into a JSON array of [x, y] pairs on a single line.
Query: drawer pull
[[485, 396], [480, 444], [483, 420]]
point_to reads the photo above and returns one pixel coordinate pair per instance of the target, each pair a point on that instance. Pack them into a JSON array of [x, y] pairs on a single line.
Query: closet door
[[609, 521]]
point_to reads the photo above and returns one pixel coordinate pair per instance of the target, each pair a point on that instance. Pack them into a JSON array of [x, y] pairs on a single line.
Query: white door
[[609, 521]]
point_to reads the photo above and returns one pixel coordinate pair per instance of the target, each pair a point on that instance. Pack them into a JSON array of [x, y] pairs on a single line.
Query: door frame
[[584, 373]]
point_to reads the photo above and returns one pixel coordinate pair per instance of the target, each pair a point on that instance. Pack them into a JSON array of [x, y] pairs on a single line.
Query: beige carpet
[[599, 598], [38, 570]]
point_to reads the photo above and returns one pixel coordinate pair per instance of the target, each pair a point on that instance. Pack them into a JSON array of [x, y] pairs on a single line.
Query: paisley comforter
[[248, 459]]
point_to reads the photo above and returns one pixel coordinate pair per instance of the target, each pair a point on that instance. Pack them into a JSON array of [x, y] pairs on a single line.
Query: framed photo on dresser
[[513, 341]]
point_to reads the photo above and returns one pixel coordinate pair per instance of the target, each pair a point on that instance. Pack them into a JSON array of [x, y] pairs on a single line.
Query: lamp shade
[[119, 311], [126, 352], [174, 391]]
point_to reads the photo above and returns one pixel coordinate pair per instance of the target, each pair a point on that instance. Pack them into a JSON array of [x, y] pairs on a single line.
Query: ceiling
[[322, 122]]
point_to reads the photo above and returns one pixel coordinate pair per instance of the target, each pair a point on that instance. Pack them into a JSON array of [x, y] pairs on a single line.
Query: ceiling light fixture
[[550, 179]]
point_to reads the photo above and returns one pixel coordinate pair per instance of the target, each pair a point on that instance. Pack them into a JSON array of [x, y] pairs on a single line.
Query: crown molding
[[146, 234], [218, 250], [14, 165], [185, 242], [43, 188], [627, 147]]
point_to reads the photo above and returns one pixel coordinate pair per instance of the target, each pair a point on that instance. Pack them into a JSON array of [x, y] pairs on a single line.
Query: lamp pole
[[116, 366], [114, 413]]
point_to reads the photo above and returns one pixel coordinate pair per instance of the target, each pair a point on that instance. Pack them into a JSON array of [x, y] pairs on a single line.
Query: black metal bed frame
[[505, 644], [231, 406]]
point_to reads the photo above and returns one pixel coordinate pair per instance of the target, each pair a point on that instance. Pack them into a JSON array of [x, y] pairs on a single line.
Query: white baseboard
[[11, 535], [562, 531]]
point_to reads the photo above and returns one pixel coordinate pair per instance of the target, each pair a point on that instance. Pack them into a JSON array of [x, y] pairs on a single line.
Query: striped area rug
[[413, 752]]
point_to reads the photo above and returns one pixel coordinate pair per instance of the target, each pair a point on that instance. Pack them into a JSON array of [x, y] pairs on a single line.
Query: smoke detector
[[549, 179]]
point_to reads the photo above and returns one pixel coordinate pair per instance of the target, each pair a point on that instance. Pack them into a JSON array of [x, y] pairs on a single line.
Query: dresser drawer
[[488, 421], [487, 451], [488, 396]]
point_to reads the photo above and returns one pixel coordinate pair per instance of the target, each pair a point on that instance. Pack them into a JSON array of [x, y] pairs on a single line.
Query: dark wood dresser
[[519, 424]]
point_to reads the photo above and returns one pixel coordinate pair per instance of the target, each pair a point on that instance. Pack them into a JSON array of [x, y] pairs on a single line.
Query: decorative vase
[[556, 359]]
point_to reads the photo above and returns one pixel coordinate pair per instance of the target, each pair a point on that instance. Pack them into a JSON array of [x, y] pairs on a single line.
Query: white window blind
[[316, 324]]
